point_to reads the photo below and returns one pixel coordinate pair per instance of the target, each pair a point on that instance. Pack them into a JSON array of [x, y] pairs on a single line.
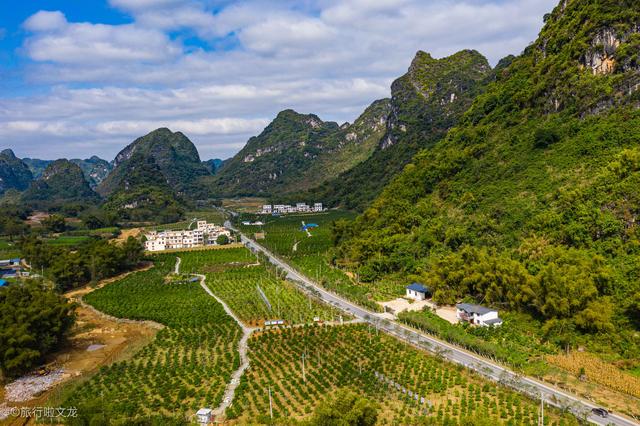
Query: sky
[[81, 78]]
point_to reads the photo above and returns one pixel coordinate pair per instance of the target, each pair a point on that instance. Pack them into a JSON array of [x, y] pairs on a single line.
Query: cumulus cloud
[[251, 59], [46, 21], [56, 40]]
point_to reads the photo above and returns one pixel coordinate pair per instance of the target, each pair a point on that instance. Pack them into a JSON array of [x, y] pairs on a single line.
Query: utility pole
[[541, 419]]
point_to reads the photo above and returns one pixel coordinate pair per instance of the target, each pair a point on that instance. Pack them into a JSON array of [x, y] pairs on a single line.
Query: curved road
[[534, 388]]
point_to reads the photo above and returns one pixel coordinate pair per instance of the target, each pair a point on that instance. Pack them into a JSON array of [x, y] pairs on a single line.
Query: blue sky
[[87, 77]]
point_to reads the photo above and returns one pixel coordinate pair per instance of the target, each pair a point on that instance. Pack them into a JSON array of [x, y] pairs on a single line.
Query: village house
[[204, 234], [286, 208], [417, 291], [478, 315]]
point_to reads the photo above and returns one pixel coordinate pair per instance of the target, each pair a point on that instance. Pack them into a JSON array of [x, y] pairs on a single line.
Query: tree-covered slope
[[532, 201], [14, 174], [426, 102], [62, 182], [36, 166], [176, 158], [297, 151], [95, 169]]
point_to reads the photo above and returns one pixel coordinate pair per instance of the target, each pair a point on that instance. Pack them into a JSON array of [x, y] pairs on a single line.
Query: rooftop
[[418, 287], [474, 309]]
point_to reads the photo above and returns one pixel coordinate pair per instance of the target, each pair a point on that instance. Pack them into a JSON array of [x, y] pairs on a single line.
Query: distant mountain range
[[298, 151], [297, 156]]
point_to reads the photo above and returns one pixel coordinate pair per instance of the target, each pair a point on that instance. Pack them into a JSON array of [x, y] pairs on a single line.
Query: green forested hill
[[62, 182], [14, 174], [426, 102], [298, 151], [175, 156], [95, 169], [532, 202]]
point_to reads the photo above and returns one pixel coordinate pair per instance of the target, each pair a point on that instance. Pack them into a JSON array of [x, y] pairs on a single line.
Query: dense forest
[[34, 320], [90, 262], [531, 202]]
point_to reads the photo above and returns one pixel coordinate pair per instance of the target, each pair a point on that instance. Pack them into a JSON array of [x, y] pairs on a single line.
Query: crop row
[[350, 356], [186, 367]]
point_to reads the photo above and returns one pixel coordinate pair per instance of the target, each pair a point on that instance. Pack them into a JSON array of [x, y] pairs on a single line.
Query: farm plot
[[186, 367], [311, 254], [252, 290], [392, 373]]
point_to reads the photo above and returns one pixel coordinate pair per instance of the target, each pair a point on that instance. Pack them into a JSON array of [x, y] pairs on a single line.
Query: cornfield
[[597, 371]]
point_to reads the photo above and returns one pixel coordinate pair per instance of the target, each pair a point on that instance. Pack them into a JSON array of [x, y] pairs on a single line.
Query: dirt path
[[243, 348], [177, 268], [295, 246]]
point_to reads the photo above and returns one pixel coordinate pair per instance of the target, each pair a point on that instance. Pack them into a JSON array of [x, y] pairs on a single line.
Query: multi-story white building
[[204, 234], [286, 208]]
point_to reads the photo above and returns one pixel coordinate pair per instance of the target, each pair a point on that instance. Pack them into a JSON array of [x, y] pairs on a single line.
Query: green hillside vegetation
[[36, 166], [531, 202], [144, 195], [61, 183], [298, 151], [153, 177], [425, 103], [14, 174], [95, 169]]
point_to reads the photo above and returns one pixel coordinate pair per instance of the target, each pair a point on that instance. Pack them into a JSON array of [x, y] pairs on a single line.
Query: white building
[[477, 314], [286, 208], [417, 291], [204, 416], [204, 234]]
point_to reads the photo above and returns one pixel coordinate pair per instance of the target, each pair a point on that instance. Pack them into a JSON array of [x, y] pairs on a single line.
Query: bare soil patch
[[110, 340]]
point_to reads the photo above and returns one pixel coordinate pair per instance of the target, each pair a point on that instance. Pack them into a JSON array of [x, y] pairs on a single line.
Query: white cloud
[[96, 44], [253, 58], [46, 21]]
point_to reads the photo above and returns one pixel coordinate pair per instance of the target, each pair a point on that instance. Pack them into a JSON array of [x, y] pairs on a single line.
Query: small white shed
[[417, 291], [204, 416]]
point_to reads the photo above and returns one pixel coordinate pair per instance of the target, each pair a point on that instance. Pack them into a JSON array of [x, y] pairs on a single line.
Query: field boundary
[[243, 348]]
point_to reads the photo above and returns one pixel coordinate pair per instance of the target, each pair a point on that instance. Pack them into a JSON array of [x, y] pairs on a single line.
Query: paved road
[[243, 347], [558, 398]]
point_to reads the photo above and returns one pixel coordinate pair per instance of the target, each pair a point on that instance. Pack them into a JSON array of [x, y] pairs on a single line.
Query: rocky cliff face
[[425, 103], [14, 174], [95, 169], [600, 39]]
